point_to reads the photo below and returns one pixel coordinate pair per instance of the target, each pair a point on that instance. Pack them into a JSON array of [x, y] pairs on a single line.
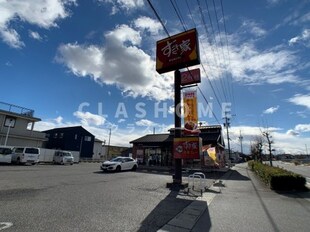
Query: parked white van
[[23, 155], [63, 157], [5, 155]]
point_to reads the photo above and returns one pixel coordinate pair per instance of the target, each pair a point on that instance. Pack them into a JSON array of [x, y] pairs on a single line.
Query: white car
[[5, 155], [63, 157], [23, 155], [119, 164]]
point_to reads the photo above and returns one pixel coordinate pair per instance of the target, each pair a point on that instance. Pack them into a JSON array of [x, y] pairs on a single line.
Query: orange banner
[[190, 110]]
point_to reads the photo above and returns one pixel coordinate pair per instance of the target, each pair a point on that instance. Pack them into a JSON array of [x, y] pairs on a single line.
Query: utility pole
[[109, 144], [241, 138], [226, 125], [306, 149], [268, 137]]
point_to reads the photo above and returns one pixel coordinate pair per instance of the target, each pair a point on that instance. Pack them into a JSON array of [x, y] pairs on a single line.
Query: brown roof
[[154, 138]]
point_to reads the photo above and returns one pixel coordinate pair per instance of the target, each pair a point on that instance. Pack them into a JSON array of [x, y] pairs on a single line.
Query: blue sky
[[92, 63]]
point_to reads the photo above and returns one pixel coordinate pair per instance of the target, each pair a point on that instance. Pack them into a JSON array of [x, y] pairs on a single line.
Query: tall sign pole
[[177, 123], [174, 53]]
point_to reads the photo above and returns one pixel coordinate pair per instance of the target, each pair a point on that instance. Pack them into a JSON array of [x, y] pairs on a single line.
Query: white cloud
[[40, 13], [146, 23], [292, 132], [271, 110], [89, 119], [301, 100], [59, 120], [303, 127], [35, 35], [11, 37], [127, 5], [145, 122], [254, 28], [119, 62], [303, 39], [250, 65]]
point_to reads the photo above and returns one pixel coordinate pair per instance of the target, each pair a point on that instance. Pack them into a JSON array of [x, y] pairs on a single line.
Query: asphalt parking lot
[[82, 198]]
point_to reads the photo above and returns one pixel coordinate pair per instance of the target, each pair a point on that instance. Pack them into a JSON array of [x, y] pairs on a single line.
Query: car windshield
[[117, 159], [5, 151], [67, 154]]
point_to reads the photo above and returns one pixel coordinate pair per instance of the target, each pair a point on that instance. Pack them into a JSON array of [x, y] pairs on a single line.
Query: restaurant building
[[157, 149]]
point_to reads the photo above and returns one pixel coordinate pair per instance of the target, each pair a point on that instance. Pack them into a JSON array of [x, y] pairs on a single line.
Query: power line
[[216, 46], [158, 18], [176, 8], [225, 30]]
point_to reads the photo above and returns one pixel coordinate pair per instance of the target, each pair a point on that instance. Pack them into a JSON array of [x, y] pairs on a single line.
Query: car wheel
[[134, 168], [118, 168], [18, 161]]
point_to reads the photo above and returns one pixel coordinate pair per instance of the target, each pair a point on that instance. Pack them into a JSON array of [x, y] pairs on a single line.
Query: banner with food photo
[[190, 112]]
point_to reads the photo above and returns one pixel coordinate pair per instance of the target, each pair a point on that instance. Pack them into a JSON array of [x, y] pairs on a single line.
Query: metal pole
[[7, 134], [241, 138], [109, 144], [177, 124], [81, 145]]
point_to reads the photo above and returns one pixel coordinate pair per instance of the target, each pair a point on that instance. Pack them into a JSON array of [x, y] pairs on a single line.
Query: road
[[302, 170], [82, 198]]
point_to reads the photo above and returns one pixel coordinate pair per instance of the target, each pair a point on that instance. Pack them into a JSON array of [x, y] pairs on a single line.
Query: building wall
[[72, 139], [22, 142], [100, 152], [19, 135]]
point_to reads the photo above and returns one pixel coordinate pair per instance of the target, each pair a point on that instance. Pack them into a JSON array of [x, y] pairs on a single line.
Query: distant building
[[16, 127], [113, 151], [72, 139]]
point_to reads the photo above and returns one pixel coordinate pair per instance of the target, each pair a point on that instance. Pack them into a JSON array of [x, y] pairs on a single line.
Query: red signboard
[[190, 77], [178, 51], [186, 148]]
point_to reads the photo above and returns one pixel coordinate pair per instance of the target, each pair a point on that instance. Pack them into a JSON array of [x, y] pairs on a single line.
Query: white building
[[16, 127]]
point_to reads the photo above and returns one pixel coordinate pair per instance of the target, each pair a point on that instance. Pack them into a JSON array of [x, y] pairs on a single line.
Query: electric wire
[[218, 56], [225, 30], [224, 58], [158, 18]]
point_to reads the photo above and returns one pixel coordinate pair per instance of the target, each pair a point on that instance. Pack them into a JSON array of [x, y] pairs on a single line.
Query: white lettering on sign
[[172, 48]]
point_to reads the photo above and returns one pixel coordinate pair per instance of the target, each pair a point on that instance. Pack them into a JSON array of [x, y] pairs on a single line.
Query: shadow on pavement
[[167, 210], [235, 175]]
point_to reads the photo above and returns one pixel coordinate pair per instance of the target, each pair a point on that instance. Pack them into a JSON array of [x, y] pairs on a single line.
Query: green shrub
[[278, 178]]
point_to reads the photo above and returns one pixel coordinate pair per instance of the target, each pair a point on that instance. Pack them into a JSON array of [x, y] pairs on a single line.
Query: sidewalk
[[240, 202]]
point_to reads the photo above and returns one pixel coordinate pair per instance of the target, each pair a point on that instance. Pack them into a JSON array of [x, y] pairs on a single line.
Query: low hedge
[[278, 178]]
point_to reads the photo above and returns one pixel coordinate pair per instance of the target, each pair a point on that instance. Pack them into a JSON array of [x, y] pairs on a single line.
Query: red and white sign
[[186, 148], [190, 77], [178, 51]]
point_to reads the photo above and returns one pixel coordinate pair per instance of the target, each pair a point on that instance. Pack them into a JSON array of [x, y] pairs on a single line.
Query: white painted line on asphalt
[[5, 225]]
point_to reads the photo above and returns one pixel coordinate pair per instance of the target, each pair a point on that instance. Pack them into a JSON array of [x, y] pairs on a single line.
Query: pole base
[[176, 186]]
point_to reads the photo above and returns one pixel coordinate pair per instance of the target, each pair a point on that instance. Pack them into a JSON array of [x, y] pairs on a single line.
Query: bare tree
[[268, 137], [256, 148]]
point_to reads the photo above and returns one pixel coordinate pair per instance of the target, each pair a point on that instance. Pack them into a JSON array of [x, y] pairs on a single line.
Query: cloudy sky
[[92, 63]]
